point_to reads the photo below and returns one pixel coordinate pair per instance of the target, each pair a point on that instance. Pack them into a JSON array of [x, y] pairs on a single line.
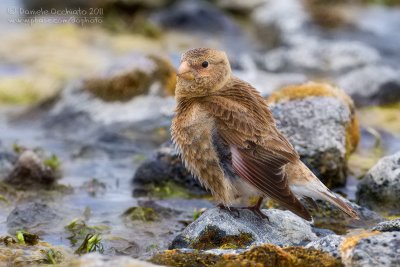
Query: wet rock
[[319, 120], [372, 85], [33, 217], [263, 255], [31, 172], [380, 188], [317, 56], [329, 217], [165, 175], [388, 226], [218, 228], [197, 16], [7, 161], [372, 249], [330, 244]]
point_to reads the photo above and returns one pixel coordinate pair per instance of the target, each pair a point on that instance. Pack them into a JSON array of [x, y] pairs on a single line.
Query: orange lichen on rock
[[352, 240]]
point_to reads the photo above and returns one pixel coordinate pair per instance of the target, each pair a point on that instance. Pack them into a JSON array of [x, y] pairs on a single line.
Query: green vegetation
[[53, 162], [53, 256], [91, 243], [26, 238], [144, 214], [89, 235]]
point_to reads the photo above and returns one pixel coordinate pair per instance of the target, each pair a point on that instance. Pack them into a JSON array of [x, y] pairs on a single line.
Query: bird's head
[[202, 71]]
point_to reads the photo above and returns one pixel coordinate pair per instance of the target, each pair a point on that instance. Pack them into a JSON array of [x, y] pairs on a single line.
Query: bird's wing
[[259, 151]]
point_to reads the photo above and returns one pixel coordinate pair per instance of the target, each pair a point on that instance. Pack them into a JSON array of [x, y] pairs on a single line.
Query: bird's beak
[[185, 71]]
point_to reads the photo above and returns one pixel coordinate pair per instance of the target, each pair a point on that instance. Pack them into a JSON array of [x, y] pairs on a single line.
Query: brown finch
[[228, 139]]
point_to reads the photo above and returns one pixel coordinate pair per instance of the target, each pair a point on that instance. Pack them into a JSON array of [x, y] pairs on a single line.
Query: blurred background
[[88, 86]]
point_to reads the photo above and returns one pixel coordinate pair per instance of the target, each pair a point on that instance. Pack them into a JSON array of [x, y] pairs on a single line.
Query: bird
[[228, 139]]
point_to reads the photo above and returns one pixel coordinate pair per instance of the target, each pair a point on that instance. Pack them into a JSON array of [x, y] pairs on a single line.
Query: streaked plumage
[[228, 139]]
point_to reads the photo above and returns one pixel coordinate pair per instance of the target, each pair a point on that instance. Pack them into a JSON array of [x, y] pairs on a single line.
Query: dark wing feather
[[259, 151]]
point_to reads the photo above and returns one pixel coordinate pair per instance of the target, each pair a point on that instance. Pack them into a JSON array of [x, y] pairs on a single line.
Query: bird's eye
[[204, 64]]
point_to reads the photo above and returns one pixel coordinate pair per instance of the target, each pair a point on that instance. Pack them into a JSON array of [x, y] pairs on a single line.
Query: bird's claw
[[229, 209], [257, 211]]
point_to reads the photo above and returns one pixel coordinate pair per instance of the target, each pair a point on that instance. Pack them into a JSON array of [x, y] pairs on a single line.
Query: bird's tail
[[308, 185]]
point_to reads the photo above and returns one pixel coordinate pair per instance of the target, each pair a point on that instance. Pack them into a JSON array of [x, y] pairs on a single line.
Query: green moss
[[169, 190], [381, 117], [26, 238], [212, 237], [144, 214], [264, 255], [53, 162]]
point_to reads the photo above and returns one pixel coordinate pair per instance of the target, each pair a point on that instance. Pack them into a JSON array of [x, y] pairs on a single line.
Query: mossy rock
[[264, 255], [125, 85]]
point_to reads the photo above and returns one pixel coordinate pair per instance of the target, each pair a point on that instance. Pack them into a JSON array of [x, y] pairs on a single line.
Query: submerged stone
[[33, 217]]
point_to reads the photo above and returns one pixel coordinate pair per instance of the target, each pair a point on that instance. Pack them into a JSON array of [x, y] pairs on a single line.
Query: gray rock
[[376, 250], [32, 217], [216, 228], [316, 126], [330, 244], [314, 55], [388, 226], [380, 188], [7, 161], [195, 16], [30, 172], [280, 21], [164, 167], [372, 85]]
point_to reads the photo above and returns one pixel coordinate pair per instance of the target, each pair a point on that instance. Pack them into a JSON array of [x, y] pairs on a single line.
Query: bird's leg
[[256, 209], [230, 209]]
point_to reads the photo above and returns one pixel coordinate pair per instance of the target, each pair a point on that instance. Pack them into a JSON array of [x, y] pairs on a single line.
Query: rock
[[7, 161], [330, 244], [388, 226], [372, 85], [319, 120], [165, 172], [263, 255], [195, 16], [265, 82], [125, 80], [317, 56], [217, 228], [32, 217], [280, 21], [380, 188], [31, 172], [372, 249]]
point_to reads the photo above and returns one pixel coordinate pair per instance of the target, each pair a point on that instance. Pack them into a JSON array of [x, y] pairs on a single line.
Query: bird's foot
[[257, 211], [230, 209]]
